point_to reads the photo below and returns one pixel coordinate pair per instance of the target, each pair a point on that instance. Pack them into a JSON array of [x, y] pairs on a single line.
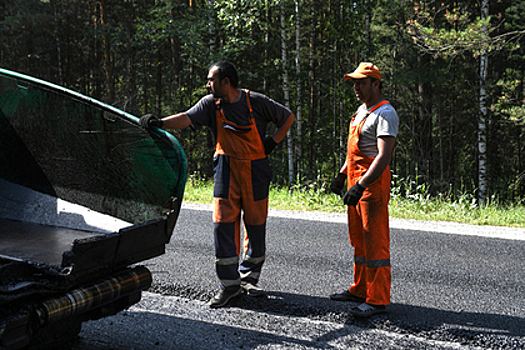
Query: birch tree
[[286, 90], [298, 117], [482, 124], [210, 4], [107, 50]]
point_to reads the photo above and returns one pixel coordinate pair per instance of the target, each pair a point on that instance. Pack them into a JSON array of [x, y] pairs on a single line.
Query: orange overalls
[[368, 225], [242, 181]]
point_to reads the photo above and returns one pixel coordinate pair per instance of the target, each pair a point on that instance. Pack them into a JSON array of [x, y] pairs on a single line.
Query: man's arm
[[176, 121], [281, 131], [200, 115], [338, 182], [271, 142]]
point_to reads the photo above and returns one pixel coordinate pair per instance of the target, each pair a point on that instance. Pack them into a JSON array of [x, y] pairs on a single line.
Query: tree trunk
[[211, 25], [423, 131], [368, 37], [482, 127], [266, 44], [298, 121], [312, 77], [175, 55], [54, 5], [291, 174], [158, 84], [107, 52]]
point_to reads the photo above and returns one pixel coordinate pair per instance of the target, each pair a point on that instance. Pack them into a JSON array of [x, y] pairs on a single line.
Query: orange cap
[[365, 70]]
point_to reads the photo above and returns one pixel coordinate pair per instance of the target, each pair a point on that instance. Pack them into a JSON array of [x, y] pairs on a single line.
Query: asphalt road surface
[[453, 287]]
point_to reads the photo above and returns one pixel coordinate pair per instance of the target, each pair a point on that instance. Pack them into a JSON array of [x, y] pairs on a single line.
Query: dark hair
[[227, 70], [380, 82]]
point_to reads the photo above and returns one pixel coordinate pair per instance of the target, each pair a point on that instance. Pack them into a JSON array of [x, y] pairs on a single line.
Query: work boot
[[346, 296], [252, 290], [223, 297]]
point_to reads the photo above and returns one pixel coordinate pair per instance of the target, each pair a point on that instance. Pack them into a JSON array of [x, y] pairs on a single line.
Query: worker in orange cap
[[371, 142], [238, 119]]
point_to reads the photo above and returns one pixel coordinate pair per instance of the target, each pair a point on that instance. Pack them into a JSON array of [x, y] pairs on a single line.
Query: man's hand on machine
[[150, 120]]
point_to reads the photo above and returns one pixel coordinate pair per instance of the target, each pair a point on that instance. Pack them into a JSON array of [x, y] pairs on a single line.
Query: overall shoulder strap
[[248, 101], [384, 102]]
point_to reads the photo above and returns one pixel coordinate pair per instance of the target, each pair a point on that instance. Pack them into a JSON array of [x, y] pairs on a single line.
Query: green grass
[[462, 211], [314, 196]]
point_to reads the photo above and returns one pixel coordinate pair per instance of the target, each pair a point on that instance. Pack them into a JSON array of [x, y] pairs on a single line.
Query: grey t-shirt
[[265, 111], [384, 121]]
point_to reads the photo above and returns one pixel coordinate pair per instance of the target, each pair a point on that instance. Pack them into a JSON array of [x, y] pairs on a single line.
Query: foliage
[[460, 36], [508, 104]]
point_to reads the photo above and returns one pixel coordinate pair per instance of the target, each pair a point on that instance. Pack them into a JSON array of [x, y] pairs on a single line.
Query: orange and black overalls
[[368, 225], [242, 180]]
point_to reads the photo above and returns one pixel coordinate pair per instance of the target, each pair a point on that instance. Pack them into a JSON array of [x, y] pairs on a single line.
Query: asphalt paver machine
[[85, 196]]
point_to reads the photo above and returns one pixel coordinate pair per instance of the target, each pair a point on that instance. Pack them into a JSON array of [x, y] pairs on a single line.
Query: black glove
[[150, 120], [337, 184], [269, 145], [353, 195]]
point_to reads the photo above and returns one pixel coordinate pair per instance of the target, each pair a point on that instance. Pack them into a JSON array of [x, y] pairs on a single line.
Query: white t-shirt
[[384, 121]]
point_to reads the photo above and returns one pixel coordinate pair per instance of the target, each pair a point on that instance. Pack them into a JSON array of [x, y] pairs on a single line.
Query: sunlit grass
[[493, 214], [315, 196]]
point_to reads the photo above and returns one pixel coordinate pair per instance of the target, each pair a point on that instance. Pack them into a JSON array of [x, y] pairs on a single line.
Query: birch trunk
[[482, 124], [54, 5], [312, 78], [368, 37], [107, 52], [291, 174], [211, 25], [266, 44], [298, 121], [158, 84]]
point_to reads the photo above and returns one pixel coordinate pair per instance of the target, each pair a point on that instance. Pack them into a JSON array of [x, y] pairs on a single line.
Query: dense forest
[[454, 70]]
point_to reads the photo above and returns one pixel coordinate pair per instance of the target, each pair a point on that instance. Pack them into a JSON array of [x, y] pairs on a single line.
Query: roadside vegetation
[[410, 204]]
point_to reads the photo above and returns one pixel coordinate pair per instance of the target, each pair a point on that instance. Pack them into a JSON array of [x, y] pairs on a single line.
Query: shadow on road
[[137, 330], [482, 329], [285, 323]]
